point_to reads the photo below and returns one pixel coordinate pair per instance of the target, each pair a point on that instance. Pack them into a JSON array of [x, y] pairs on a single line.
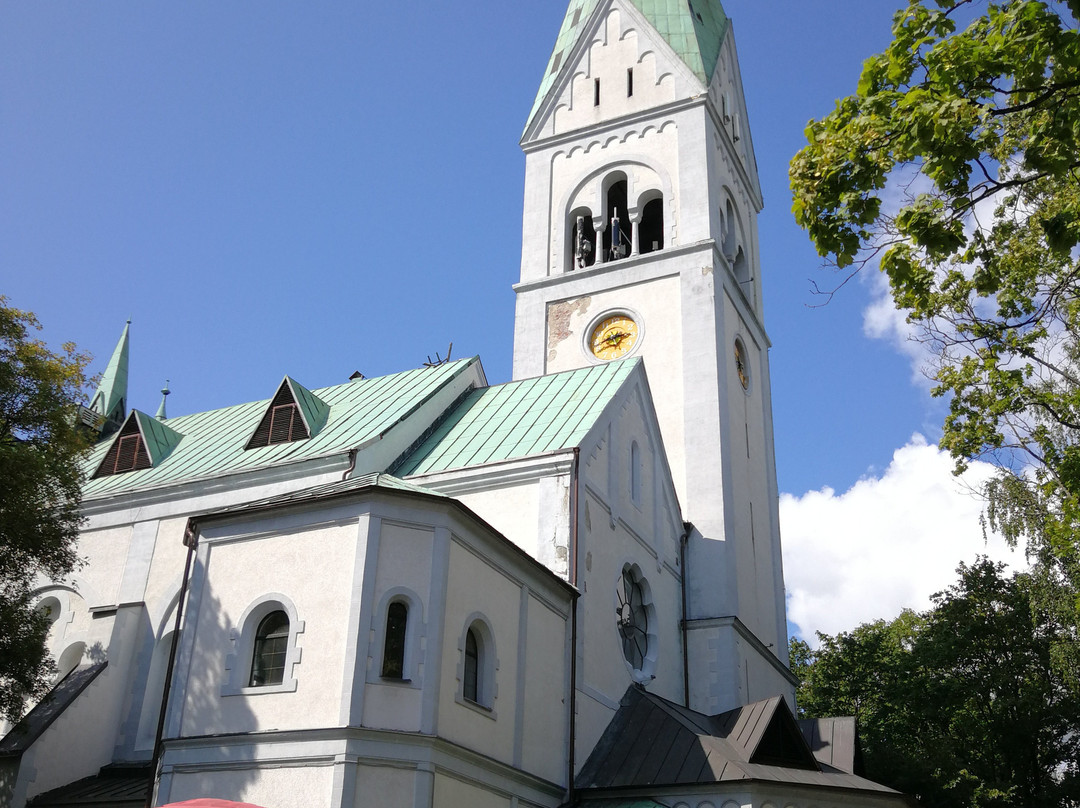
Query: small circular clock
[[742, 369], [613, 337]]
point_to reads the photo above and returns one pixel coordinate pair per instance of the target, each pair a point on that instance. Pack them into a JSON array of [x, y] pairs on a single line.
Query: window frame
[[413, 661], [269, 642], [487, 666], [239, 664], [398, 633]]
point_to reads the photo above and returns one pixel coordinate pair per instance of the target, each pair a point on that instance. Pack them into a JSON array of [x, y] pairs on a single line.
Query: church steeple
[[639, 238], [110, 400]]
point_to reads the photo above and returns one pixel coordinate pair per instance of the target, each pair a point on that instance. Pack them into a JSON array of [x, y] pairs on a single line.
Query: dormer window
[[127, 453], [295, 413], [141, 443]]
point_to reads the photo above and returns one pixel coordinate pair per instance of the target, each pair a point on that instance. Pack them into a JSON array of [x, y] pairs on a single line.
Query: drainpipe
[[191, 541], [685, 651], [352, 464], [574, 485]]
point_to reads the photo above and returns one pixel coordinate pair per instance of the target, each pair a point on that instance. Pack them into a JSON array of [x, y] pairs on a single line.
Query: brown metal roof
[[35, 722], [117, 786], [834, 742], [653, 742]]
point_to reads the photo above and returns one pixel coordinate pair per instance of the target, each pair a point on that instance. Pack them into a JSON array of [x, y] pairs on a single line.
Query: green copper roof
[[111, 394], [213, 442], [312, 408], [519, 419], [160, 440], [694, 29]]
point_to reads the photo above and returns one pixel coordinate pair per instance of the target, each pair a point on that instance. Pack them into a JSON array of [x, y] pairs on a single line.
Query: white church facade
[[424, 590]]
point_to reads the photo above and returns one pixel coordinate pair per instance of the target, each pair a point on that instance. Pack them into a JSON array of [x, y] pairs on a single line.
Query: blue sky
[[321, 187]]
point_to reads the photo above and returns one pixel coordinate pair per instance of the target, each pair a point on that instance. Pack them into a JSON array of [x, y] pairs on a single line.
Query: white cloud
[[882, 320], [886, 544]]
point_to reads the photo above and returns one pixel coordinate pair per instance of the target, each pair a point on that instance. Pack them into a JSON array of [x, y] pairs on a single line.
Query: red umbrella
[[210, 802]]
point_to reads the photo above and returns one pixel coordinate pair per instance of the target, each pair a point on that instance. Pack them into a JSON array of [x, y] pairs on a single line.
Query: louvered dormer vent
[[295, 413], [141, 443], [127, 453]]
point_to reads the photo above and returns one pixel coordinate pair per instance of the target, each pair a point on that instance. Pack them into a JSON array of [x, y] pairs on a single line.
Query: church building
[[424, 590]]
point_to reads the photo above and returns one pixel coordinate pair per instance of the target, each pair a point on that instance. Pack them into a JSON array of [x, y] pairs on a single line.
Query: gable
[[141, 443], [624, 462], [782, 743], [294, 413], [600, 41]]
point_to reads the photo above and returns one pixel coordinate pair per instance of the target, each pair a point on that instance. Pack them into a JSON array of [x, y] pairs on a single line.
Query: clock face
[[741, 368], [613, 337], [632, 620]]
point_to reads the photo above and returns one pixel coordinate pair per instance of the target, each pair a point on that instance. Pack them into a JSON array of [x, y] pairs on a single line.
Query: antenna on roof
[[438, 359]]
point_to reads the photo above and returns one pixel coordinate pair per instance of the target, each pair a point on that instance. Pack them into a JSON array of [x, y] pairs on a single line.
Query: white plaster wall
[[607, 549], [753, 484], [108, 550], [404, 563], [313, 568], [513, 510], [279, 786], [545, 715], [385, 785], [166, 570], [656, 306], [473, 585], [451, 792]]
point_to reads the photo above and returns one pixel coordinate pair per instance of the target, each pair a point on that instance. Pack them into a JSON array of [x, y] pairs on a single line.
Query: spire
[[161, 416], [110, 400], [694, 29]]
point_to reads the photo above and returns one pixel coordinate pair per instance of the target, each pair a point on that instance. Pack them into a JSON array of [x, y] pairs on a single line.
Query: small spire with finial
[[161, 410]]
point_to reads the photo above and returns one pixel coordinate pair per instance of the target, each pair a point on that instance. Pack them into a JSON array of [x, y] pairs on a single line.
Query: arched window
[[471, 679], [616, 207], [478, 665], [635, 473], [269, 651], [732, 246], [582, 239], [397, 621], [651, 229]]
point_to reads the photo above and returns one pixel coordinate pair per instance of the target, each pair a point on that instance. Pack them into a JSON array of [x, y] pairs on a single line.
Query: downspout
[[191, 541], [352, 464], [685, 633], [574, 483]]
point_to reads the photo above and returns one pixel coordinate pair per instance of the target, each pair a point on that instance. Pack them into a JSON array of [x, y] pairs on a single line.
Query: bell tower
[[640, 238]]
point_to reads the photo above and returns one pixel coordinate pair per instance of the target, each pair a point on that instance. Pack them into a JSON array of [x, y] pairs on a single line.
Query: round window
[[632, 617]]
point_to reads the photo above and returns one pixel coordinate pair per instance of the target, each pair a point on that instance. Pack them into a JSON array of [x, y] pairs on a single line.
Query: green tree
[[960, 705], [40, 482], [955, 167]]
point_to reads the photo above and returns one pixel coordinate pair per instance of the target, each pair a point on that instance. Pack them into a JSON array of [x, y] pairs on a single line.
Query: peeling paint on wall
[[559, 317]]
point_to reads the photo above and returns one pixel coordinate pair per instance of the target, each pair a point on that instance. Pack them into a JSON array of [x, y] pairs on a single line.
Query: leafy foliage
[[960, 705], [40, 481], [956, 166]]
